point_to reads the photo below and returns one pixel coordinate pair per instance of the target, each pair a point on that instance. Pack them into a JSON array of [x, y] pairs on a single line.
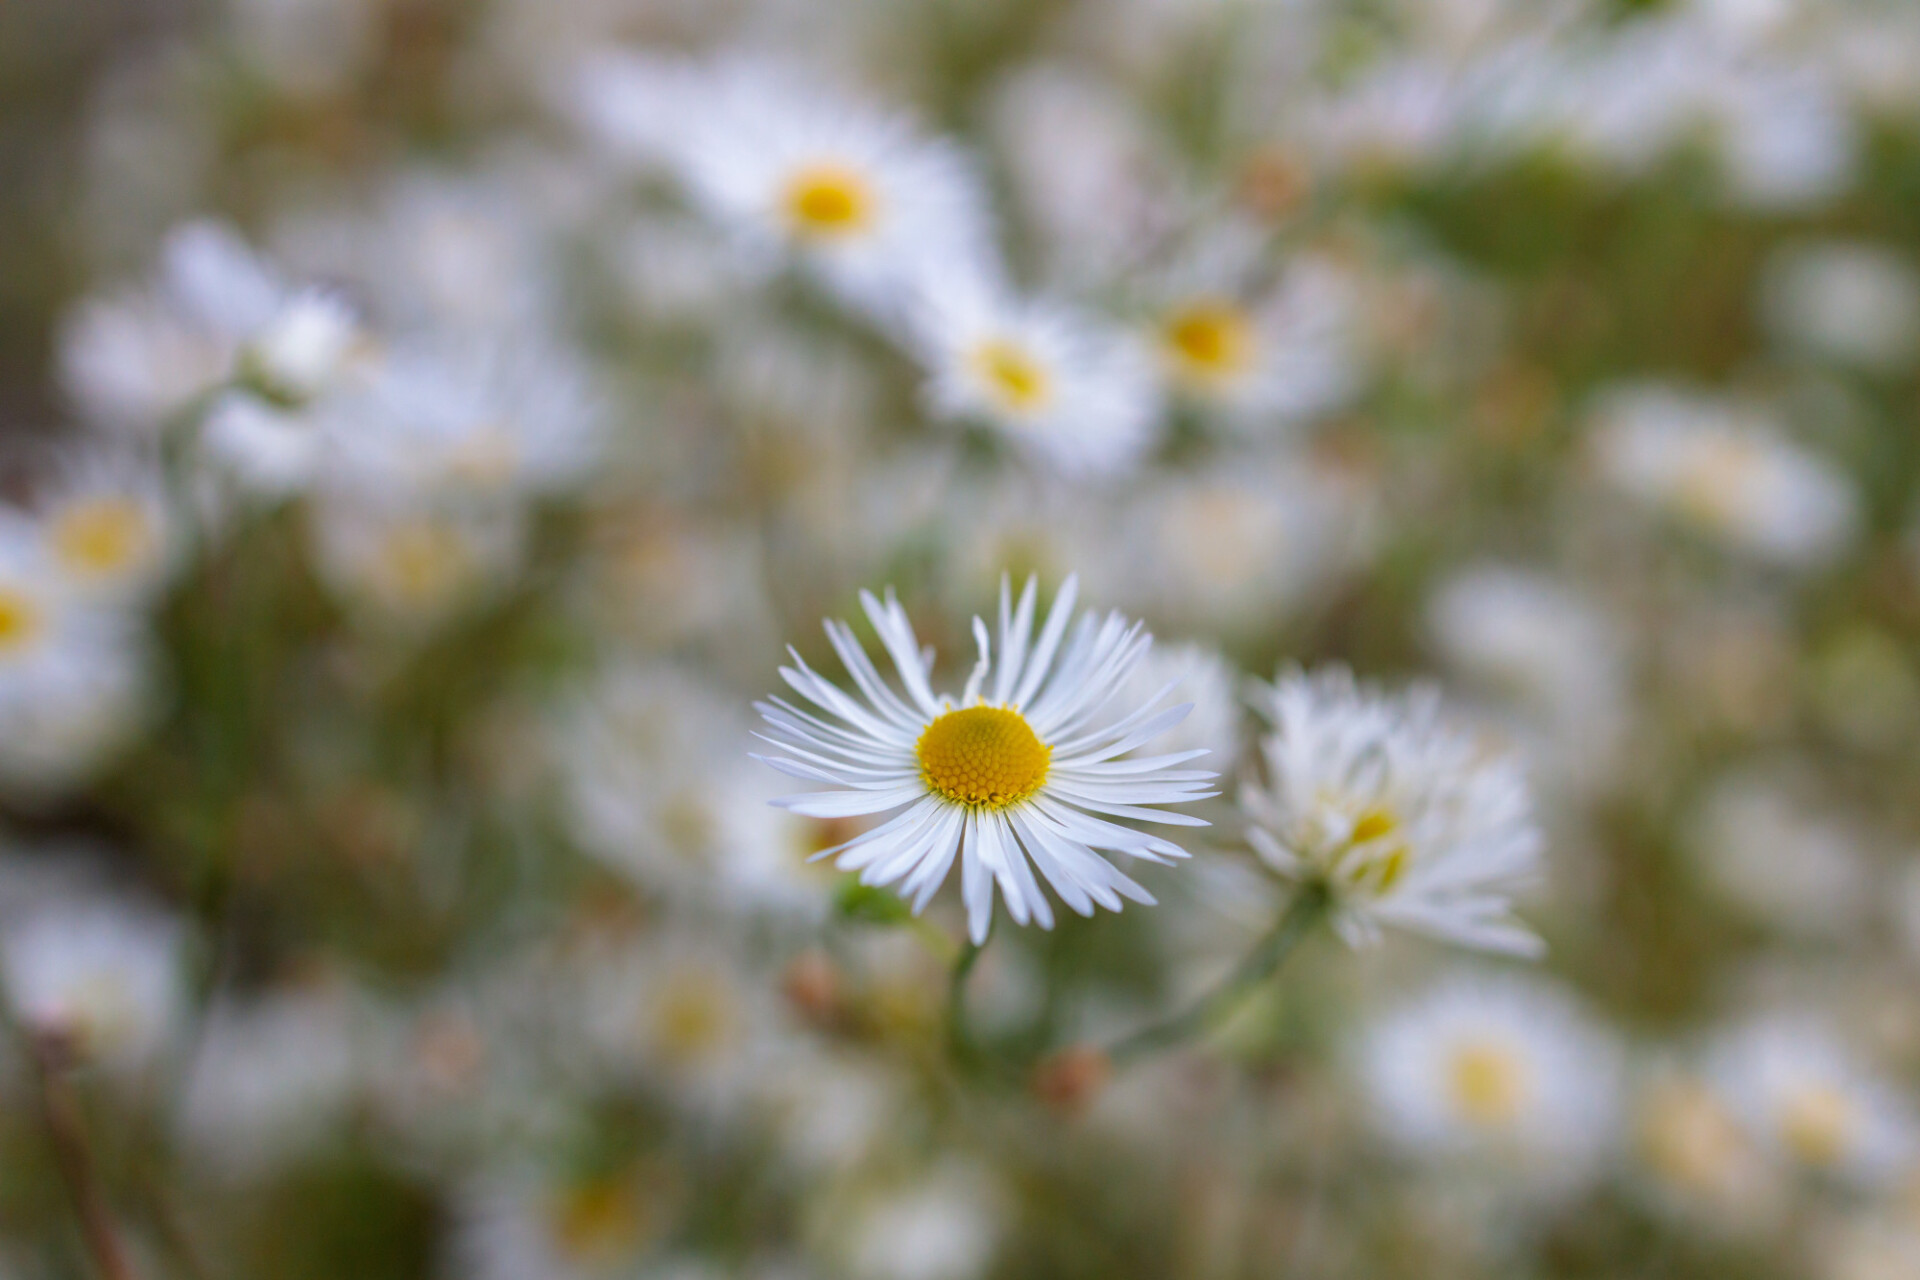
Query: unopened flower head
[[1404, 820], [1022, 771]]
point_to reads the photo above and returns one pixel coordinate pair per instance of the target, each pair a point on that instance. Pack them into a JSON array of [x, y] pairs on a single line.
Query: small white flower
[[413, 564], [1806, 1100], [850, 191], [108, 528], [1698, 1159], [945, 1225], [1078, 394], [1502, 1070], [1727, 472], [103, 976], [1011, 776], [1856, 303], [530, 1223], [1406, 821]]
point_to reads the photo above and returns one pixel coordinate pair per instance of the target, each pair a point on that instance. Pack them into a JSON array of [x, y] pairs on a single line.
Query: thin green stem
[[1260, 964], [959, 1037]]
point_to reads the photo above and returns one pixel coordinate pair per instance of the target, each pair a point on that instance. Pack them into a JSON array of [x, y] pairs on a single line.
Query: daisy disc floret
[[1405, 821], [1024, 771]]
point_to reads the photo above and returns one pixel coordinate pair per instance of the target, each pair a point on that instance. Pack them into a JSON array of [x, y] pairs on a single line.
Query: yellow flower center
[[1689, 1137], [828, 201], [983, 757], [1210, 341], [1018, 381], [100, 537], [1379, 865], [597, 1221], [1487, 1084], [19, 620], [694, 1019], [421, 563], [1817, 1123]]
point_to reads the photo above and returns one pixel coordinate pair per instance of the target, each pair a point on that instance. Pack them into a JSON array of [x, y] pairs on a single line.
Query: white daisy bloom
[[848, 190], [1857, 303], [529, 1223], [130, 362], [1698, 1161], [1012, 775], [72, 673], [413, 564], [288, 340], [1080, 395], [473, 417], [102, 976], [1405, 820], [1728, 472], [108, 528], [1282, 358], [1807, 1101], [1496, 1068]]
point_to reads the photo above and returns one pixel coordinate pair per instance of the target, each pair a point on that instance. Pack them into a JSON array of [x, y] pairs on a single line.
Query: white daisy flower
[[1698, 1161], [848, 190], [1406, 821], [1281, 358], [107, 526], [100, 975], [72, 673], [1012, 775], [413, 564], [1496, 1068], [531, 1223], [1080, 395], [1728, 472], [1808, 1102]]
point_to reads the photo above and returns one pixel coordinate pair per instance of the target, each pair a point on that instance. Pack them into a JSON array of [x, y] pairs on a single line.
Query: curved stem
[[1260, 964], [959, 1038], [67, 1130]]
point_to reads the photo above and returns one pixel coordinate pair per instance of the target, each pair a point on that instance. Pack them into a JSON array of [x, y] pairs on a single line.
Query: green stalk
[[1260, 964]]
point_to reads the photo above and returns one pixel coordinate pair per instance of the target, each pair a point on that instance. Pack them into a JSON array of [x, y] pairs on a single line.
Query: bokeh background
[[385, 888]]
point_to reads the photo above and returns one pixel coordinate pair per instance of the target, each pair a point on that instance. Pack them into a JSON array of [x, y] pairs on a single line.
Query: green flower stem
[[1300, 918], [959, 1037]]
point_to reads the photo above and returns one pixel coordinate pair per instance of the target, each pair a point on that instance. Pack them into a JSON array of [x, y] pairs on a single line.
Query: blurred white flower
[[1762, 849], [1501, 1071], [413, 565], [1012, 776], [1200, 675], [529, 1223], [1726, 471], [103, 977], [1697, 1160], [1060, 385], [272, 1078], [1808, 1102], [850, 191], [945, 1225], [1856, 303], [1405, 820], [109, 528]]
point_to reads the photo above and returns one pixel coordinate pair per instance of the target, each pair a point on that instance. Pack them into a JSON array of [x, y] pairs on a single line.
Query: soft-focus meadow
[[428, 423]]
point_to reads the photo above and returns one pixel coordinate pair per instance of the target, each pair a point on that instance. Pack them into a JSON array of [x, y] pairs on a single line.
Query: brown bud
[[1070, 1080]]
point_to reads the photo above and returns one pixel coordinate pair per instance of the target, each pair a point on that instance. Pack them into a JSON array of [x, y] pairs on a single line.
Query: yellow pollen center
[[100, 537], [1379, 866], [597, 1222], [828, 202], [1487, 1084], [983, 757], [421, 562], [19, 621], [1209, 341], [1012, 375], [1817, 1123]]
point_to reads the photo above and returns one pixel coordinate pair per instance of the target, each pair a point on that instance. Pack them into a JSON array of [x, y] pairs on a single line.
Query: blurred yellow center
[[1487, 1084], [694, 1017], [1378, 866], [828, 202], [100, 537], [596, 1222], [1012, 375], [1817, 1124], [983, 757], [1689, 1137], [19, 620], [1209, 340], [422, 562]]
